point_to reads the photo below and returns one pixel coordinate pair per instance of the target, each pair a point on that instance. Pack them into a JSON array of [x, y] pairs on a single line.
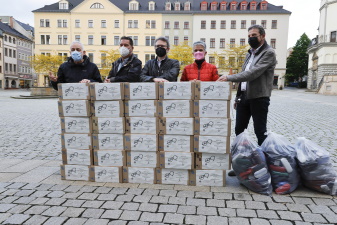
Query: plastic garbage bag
[[316, 169], [282, 164], [249, 164]]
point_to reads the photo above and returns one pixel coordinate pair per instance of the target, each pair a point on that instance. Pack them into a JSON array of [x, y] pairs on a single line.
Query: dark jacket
[[129, 72], [169, 70], [260, 75], [69, 72]]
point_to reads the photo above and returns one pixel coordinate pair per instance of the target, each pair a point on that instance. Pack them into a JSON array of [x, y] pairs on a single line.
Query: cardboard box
[[180, 126], [76, 125], [212, 108], [212, 144], [109, 158], [139, 175], [75, 172], [76, 108], [212, 126], [175, 176], [147, 108], [76, 141], [175, 108], [77, 157], [73, 91], [177, 160], [107, 108], [108, 141], [176, 143], [146, 90], [141, 125], [142, 159], [141, 142], [176, 90], [215, 178], [106, 174], [107, 91], [213, 90], [108, 125], [212, 161]]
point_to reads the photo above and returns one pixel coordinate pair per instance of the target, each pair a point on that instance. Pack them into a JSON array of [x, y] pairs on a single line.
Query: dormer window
[[177, 6], [133, 5], [168, 6], [223, 6], [152, 5], [187, 6], [214, 6], [233, 5], [97, 6], [63, 4], [203, 6], [263, 5], [253, 5], [244, 5]]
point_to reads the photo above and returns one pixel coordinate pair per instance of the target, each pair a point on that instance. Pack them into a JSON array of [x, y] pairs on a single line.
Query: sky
[[304, 17]]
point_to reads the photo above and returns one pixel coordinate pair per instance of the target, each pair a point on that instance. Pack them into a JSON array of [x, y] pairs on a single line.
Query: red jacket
[[207, 72]]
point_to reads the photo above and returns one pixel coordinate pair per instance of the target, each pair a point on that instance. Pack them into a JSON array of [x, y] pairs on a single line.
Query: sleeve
[[267, 60], [215, 74], [96, 76], [144, 75], [132, 75], [111, 75], [184, 75], [60, 78], [172, 73]]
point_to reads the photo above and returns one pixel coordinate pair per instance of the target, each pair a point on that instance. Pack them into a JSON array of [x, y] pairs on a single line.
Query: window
[[274, 24], [59, 39], [91, 57], [41, 22], [5, 37], [65, 23], [97, 6], [233, 5], [116, 23], [186, 38], [135, 40], [333, 36], [152, 40], [264, 24], [187, 6], [243, 6], [133, 5], [77, 23], [43, 40], [103, 23], [253, 22], [65, 39], [47, 23], [168, 6], [242, 41], [214, 6], [10, 52], [223, 24], [116, 40], [148, 24], [186, 25], [233, 24], [129, 23], [135, 23], [151, 6], [177, 6], [211, 60], [213, 24], [176, 40], [232, 42], [103, 40], [6, 67], [273, 43], [10, 39], [153, 24], [203, 6], [147, 41], [253, 6], [59, 23], [203, 24], [47, 39], [77, 37], [212, 43], [264, 6], [176, 25], [90, 23], [14, 68], [63, 5], [149, 56], [203, 39], [243, 24], [222, 43], [223, 6], [10, 67], [167, 24], [90, 40]]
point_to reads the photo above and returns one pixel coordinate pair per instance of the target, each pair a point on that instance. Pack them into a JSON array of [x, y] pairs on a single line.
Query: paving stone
[[117, 222], [93, 213], [36, 210], [4, 216], [92, 221], [298, 208], [4, 184], [195, 202], [44, 187], [302, 223], [73, 203], [56, 201], [323, 201], [186, 210], [227, 212], [241, 196], [208, 211], [10, 192], [177, 200], [238, 221], [148, 207], [76, 221], [6, 207], [257, 221], [262, 198], [151, 192], [72, 195], [320, 209], [39, 201], [268, 214], [55, 194], [36, 220], [305, 201], [16, 219], [92, 204], [112, 205], [168, 208], [137, 223], [24, 193], [54, 211], [152, 217], [135, 191], [255, 205], [107, 197], [40, 194], [202, 194], [211, 220], [130, 215], [73, 189], [9, 199], [159, 199], [280, 222], [89, 189], [289, 215], [215, 203], [168, 193], [59, 187], [55, 220], [331, 218], [191, 219], [124, 198], [187, 194], [235, 204], [130, 206], [111, 214], [173, 218], [30, 186], [246, 213], [73, 212], [276, 206], [309, 217], [88, 196], [118, 190], [282, 199], [16, 185], [24, 200], [19, 209], [142, 198], [102, 190]]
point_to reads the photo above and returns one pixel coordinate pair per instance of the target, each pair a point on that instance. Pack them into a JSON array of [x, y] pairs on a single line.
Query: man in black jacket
[[128, 67], [78, 68], [161, 69]]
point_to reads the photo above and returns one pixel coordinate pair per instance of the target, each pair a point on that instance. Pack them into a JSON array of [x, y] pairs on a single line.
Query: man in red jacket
[[200, 69]]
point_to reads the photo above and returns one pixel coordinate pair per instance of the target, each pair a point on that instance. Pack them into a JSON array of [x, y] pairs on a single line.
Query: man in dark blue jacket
[[78, 68]]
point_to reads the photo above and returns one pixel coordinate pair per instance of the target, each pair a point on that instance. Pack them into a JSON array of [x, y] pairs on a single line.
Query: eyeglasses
[[160, 46]]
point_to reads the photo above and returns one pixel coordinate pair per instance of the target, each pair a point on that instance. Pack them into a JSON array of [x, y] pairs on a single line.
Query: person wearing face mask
[[128, 67], [162, 68], [256, 83], [200, 69], [77, 69]]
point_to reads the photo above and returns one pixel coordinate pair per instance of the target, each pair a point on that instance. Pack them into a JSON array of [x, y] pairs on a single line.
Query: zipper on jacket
[[198, 74]]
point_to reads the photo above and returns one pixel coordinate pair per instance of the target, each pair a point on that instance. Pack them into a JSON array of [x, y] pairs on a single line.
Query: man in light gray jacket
[[256, 84]]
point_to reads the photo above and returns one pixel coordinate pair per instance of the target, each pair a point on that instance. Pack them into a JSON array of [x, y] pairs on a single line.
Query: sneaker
[[231, 173]]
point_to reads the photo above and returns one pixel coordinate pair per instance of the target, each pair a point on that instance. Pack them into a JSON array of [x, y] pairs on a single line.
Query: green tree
[[297, 62], [108, 57], [182, 53], [42, 64]]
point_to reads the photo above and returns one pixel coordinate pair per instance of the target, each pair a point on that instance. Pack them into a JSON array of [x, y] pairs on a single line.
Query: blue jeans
[[256, 108]]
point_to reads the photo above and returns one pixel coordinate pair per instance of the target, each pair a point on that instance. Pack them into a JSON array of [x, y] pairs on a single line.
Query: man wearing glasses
[[160, 69]]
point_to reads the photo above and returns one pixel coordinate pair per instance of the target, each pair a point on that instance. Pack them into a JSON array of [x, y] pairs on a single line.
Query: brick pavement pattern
[[31, 191]]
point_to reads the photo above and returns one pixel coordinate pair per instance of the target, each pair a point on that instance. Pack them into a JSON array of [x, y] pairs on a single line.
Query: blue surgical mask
[[77, 56]]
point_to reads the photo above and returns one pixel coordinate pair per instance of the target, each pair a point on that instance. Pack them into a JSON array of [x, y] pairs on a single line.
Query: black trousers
[[256, 108]]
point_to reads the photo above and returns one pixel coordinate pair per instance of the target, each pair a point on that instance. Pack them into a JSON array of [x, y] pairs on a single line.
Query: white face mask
[[124, 51]]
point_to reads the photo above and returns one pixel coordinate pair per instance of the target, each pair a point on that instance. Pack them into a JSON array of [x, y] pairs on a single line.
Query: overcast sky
[[304, 17]]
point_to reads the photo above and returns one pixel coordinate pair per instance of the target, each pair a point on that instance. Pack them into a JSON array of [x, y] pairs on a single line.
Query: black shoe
[[231, 173]]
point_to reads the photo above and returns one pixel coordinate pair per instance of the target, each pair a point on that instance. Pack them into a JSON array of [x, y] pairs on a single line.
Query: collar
[[161, 61], [259, 49]]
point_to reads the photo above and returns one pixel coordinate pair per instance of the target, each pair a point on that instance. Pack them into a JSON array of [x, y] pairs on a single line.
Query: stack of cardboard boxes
[[166, 133]]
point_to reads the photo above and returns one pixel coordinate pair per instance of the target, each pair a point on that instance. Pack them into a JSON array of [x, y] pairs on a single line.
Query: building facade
[[99, 24], [2, 77], [323, 49]]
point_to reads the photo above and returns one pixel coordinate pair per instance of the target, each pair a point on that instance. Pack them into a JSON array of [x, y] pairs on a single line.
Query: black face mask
[[161, 52], [253, 42]]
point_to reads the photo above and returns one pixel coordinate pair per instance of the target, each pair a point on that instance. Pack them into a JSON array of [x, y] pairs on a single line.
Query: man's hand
[[222, 78], [52, 77], [160, 80], [85, 81], [107, 80]]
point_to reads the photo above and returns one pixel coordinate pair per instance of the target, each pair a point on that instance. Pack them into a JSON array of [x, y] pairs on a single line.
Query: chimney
[[11, 22]]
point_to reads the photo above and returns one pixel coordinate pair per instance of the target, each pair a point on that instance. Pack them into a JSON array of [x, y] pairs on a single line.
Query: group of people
[[254, 90]]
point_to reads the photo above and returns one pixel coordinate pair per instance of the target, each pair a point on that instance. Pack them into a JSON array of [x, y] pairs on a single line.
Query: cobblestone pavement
[[31, 191]]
